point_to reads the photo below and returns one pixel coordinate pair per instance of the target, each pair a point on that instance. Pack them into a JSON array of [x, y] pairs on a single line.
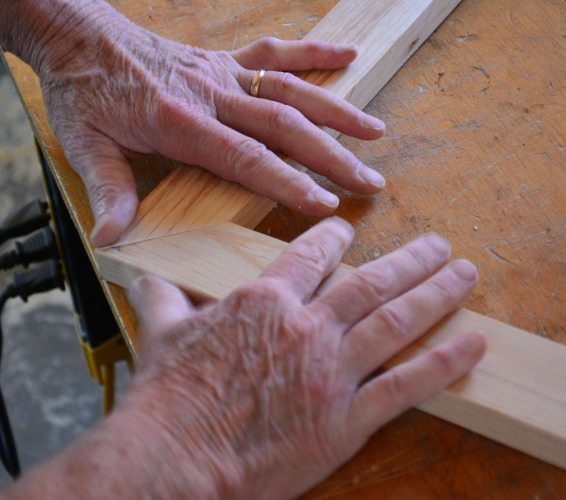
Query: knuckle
[[267, 44], [375, 282], [395, 320], [332, 109], [286, 84], [262, 291], [316, 47], [104, 192], [167, 110], [310, 253], [445, 288], [297, 264], [302, 184], [443, 362], [266, 51], [246, 158], [283, 118], [424, 266], [399, 387], [303, 324]]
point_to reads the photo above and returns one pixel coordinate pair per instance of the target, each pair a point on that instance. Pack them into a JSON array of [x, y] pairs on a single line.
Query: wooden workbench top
[[475, 150]]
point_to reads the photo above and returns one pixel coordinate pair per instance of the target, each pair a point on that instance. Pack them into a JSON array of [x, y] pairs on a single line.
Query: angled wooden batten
[[195, 231]]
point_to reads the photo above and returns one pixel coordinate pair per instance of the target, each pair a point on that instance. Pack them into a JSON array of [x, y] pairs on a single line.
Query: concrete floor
[[50, 396]]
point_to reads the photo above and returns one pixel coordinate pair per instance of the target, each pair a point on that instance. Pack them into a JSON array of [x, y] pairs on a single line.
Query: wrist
[[124, 457], [159, 463], [195, 462], [45, 33]]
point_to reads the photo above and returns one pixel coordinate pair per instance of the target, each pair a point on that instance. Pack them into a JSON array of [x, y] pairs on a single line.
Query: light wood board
[[515, 395]]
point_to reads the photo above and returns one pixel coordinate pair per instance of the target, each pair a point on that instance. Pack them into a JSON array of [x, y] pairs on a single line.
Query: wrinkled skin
[[267, 391], [115, 92]]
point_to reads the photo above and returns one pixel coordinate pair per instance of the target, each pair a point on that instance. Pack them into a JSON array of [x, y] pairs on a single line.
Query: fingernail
[[465, 270], [438, 243], [472, 343], [102, 220], [372, 122], [326, 198], [346, 47], [372, 177]]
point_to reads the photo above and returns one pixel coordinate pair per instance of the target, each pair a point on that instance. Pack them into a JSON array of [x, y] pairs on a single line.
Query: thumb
[[108, 179], [159, 305]]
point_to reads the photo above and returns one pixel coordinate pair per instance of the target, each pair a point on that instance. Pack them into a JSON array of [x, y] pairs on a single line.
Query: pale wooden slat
[[515, 396], [196, 264], [387, 32]]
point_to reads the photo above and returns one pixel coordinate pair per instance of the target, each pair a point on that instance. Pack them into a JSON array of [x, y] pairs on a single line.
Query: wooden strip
[[198, 261], [387, 33], [515, 395]]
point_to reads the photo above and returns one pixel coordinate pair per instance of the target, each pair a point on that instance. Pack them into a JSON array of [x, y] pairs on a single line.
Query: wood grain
[[475, 138], [387, 33], [515, 395]]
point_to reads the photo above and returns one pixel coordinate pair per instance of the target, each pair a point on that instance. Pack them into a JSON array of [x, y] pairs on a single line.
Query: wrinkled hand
[[267, 392], [116, 92]]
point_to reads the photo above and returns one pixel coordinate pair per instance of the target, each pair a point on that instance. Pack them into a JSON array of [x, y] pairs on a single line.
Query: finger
[[409, 384], [283, 128], [312, 257], [374, 284], [109, 182], [396, 324], [281, 55], [159, 305], [319, 105], [239, 158]]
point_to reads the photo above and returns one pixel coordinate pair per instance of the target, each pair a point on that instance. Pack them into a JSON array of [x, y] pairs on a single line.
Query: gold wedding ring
[[256, 81]]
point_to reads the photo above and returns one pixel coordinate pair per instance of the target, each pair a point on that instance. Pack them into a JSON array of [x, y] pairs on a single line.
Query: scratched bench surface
[[475, 150]]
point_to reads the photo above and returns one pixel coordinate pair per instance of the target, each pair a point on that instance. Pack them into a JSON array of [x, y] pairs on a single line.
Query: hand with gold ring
[[115, 92]]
